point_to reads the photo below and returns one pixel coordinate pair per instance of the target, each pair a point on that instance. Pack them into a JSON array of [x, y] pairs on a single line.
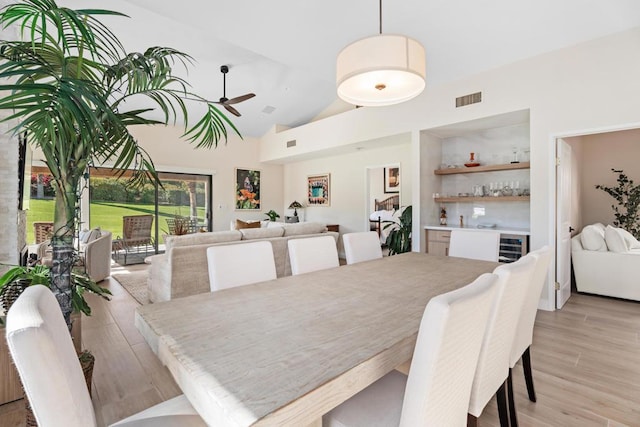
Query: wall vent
[[473, 98], [291, 143]]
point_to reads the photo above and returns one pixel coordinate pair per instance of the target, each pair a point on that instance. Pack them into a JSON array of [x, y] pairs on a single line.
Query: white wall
[[349, 206], [170, 153], [589, 86]]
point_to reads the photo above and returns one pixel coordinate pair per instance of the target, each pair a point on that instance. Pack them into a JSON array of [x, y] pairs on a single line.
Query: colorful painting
[[392, 179], [319, 191], [247, 189]]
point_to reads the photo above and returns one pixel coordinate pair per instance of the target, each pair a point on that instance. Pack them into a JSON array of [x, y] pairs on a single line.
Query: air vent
[[268, 109], [473, 98], [291, 143]]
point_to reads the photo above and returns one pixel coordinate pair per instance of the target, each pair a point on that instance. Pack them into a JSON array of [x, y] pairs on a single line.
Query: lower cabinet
[[512, 246], [438, 242]]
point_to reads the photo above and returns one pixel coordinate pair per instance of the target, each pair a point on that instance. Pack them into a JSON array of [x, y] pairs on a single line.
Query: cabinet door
[[438, 248]]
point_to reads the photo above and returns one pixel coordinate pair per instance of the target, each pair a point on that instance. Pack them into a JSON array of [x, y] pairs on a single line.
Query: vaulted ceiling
[[285, 50]]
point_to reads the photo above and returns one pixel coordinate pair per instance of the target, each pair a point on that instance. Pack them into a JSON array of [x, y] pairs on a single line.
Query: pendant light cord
[[380, 16]]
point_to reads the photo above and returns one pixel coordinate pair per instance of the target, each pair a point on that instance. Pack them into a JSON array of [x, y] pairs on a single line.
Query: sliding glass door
[[183, 199]]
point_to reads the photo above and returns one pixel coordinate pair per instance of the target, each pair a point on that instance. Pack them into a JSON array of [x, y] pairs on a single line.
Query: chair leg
[[528, 376], [501, 396], [513, 416], [472, 421]]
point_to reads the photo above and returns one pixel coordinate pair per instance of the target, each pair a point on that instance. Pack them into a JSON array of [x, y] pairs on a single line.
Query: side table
[[333, 227]]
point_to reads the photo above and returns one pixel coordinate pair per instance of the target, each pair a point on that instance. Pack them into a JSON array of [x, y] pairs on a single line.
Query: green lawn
[[106, 215]]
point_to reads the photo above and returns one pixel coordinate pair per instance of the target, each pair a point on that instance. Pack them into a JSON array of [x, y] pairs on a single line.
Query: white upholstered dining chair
[[312, 254], [436, 392], [493, 363], [240, 264], [524, 332], [44, 355], [473, 244], [359, 247]]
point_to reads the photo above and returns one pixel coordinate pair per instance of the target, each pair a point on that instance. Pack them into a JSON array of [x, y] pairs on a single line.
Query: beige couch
[[182, 270]]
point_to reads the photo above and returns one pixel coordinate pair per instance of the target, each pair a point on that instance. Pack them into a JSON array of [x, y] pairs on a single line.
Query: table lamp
[[295, 205]]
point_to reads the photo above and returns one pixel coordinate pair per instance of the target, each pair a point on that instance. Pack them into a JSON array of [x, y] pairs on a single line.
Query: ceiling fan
[[224, 101]]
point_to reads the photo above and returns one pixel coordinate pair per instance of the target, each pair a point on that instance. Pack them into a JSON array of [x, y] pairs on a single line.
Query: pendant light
[[384, 69]]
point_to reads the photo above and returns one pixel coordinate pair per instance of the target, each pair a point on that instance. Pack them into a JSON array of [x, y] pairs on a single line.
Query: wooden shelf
[[489, 168], [486, 199]]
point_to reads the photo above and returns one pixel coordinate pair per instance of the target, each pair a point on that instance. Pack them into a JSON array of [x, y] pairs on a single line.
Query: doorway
[[383, 195], [593, 154]]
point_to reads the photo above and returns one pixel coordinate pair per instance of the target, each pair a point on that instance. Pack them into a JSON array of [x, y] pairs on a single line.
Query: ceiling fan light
[[384, 69]]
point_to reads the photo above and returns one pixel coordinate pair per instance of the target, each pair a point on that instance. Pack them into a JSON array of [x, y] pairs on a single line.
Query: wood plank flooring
[[586, 361]]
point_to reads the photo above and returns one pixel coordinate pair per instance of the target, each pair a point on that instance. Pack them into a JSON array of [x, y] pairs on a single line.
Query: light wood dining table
[[286, 351]]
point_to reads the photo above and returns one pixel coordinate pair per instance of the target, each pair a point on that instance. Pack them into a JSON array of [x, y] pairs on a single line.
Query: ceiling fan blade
[[240, 98], [231, 109]]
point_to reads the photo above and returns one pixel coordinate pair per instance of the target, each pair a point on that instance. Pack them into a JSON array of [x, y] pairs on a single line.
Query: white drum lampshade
[[384, 69]]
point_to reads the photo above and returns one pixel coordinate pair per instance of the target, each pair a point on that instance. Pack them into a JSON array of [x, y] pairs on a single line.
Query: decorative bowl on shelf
[[472, 165]]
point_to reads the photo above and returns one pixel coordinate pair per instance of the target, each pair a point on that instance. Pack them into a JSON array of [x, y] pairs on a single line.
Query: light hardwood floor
[[586, 361]]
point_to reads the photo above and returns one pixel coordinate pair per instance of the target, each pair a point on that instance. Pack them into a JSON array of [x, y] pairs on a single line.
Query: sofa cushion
[[592, 238], [240, 224], [304, 228], [202, 238], [632, 242], [261, 233], [615, 240]]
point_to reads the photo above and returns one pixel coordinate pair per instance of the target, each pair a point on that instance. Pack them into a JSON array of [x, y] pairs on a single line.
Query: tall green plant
[[67, 81], [627, 212], [399, 237]]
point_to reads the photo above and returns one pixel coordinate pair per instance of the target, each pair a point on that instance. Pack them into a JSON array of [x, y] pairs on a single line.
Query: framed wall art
[[319, 190], [392, 179], [247, 189]]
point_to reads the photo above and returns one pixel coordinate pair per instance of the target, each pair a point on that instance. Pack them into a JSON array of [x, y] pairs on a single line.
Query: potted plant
[[66, 81], [627, 213], [399, 238], [272, 215], [14, 281]]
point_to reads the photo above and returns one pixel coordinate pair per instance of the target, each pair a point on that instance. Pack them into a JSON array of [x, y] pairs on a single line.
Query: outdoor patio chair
[[182, 225], [42, 231], [136, 236]]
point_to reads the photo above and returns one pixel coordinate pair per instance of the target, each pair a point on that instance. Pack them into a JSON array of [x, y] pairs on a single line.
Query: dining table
[[286, 351]]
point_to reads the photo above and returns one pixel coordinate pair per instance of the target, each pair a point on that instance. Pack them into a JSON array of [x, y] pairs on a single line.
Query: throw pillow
[[632, 242], [83, 235], [242, 224], [615, 240], [592, 238]]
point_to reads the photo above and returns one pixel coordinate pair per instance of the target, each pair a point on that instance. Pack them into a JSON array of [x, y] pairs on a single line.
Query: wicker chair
[[137, 239], [42, 231], [179, 225]]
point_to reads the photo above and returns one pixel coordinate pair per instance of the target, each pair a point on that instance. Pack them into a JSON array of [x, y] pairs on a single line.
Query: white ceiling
[[284, 51]]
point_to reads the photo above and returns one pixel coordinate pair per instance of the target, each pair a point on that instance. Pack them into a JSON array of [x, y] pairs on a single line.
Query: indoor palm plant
[[399, 238], [66, 83]]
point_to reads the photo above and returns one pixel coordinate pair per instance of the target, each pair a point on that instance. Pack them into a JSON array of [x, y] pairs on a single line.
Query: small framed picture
[[319, 190], [247, 189], [392, 179]]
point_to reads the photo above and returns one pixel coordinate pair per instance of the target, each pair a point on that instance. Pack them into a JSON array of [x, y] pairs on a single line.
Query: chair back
[[136, 229], [493, 363], [42, 350], [473, 244], [240, 264], [446, 354], [524, 332], [359, 247], [42, 231], [312, 254]]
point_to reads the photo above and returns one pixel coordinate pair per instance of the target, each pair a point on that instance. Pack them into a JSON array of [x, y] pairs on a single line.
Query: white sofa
[[182, 270], [606, 262]]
